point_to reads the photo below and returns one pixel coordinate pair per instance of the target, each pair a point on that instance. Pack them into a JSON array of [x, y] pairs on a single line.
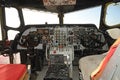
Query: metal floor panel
[[75, 73]]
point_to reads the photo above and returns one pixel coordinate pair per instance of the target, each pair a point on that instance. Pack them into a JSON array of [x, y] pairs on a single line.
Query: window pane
[[12, 34], [12, 18], [39, 17], [91, 15], [113, 14]]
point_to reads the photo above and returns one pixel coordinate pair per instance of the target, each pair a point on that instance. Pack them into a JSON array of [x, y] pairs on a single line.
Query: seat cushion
[[12, 71], [88, 64]]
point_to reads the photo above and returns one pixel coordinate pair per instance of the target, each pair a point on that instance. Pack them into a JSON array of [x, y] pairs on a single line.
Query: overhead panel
[[59, 5], [59, 2]]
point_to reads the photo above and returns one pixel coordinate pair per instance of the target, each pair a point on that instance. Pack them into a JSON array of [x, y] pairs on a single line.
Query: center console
[[60, 55]]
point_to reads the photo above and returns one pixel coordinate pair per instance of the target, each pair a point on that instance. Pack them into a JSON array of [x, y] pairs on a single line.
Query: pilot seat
[[13, 72], [102, 67]]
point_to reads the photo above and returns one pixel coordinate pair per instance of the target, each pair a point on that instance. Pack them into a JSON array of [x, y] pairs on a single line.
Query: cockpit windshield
[[32, 17], [39, 17], [91, 16]]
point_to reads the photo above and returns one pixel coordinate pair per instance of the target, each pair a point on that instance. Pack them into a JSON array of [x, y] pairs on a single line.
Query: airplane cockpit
[[61, 40], [58, 51]]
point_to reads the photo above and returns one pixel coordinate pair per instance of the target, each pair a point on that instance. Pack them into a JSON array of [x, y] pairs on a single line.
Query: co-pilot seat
[[88, 64], [102, 67]]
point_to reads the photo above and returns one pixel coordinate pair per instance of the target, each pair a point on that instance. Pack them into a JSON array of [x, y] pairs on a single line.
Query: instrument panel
[[80, 36]]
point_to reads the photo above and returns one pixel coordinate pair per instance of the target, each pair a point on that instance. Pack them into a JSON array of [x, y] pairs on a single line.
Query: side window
[[11, 34], [0, 32], [112, 17], [12, 18]]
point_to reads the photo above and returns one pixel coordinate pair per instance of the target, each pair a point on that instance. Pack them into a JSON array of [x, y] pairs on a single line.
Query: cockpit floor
[[42, 73]]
